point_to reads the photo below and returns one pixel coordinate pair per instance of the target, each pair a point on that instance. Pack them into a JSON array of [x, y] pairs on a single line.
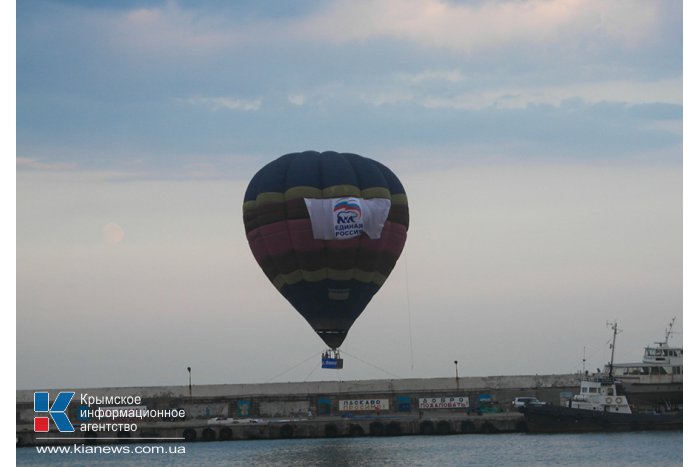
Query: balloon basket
[[330, 359]]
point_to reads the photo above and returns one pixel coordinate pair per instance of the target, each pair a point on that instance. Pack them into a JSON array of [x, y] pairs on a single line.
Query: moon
[[112, 234]]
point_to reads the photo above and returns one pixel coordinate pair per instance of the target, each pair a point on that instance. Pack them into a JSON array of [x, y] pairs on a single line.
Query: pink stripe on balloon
[[392, 239], [297, 235], [302, 236]]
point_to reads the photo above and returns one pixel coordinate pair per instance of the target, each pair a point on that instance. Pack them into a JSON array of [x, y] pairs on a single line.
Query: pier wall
[[311, 409], [320, 387]]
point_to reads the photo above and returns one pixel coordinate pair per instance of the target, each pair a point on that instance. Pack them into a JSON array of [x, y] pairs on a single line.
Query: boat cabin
[[600, 394], [661, 364], [663, 354]]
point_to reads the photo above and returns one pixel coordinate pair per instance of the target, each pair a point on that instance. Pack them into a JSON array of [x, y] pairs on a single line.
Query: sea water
[[615, 449]]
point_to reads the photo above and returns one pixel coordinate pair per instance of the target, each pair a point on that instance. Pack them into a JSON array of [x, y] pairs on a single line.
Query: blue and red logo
[[347, 211], [57, 411]]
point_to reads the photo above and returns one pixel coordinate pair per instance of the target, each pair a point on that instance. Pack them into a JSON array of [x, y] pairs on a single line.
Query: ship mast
[[668, 331], [612, 346]]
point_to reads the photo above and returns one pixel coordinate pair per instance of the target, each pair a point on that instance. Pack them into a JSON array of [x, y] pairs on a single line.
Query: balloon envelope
[[326, 229]]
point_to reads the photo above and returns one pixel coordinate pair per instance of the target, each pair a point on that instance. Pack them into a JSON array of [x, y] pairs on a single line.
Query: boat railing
[[602, 379]]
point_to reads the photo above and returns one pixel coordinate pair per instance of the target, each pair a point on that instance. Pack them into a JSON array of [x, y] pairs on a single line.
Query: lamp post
[[189, 370], [456, 375]]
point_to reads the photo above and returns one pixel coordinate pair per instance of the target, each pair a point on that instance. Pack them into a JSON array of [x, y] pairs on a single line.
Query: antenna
[[616, 331], [584, 360], [668, 331]]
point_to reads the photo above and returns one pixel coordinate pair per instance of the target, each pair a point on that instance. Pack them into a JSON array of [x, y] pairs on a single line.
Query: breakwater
[[293, 410]]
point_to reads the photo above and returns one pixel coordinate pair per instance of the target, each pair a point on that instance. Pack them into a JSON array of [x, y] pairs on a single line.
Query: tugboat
[[600, 405], [656, 382]]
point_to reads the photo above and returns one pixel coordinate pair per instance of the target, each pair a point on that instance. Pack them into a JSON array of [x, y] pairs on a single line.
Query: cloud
[[150, 83], [296, 99], [34, 164], [388, 97], [450, 76], [487, 25], [438, 89], [663, 91], [172, 31], [175, 30], [220, 102]]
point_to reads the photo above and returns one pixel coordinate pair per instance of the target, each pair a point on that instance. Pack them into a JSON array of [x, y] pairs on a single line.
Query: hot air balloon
[[326, 229]]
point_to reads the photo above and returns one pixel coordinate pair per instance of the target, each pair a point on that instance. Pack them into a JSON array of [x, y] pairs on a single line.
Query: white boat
[[601, 405], [658, 379], [600, 393]]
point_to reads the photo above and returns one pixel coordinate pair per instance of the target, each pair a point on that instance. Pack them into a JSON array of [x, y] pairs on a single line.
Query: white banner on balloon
[[348, 217]]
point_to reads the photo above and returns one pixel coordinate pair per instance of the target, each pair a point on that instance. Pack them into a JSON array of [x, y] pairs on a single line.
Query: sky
[[540, 144]]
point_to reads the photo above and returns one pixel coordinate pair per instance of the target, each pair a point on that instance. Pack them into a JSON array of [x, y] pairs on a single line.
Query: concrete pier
[[433, 406]]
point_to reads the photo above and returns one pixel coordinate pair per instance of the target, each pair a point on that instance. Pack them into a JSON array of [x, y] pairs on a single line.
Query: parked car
[[221, 421], [520, 402]]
